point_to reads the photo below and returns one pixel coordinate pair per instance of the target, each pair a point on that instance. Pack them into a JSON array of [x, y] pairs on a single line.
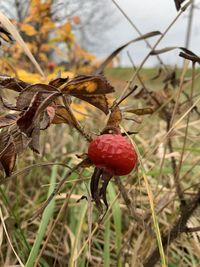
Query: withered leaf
[[163, 50], [87, 85], [115, 118], [119, 49], [65, 115], [35, 138], [140, 111], [62, 116], [194, 58], [25, 97], [20, 140], [48, 116], [142, 94], [58, 82], [4, 104], [8, 157], [178, 4], [157, 75], [12, 83], [7, 120], [12, 142], [5, 35], [4, 139], [39, 103], [172, 79], [187, 53], [99, 101]]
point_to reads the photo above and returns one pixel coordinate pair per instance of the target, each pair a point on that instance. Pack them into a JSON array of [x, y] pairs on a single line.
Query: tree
[[91, 19]]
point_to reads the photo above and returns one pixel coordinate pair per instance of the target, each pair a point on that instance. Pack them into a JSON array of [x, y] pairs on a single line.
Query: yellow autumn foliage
[[80, 110], [34, 78], [28, 29]]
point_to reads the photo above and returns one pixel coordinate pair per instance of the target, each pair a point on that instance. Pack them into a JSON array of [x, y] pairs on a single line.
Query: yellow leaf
[[80, 110], [35, 2], [45, 47], [67, 27], [47, 26], [28, 29], [43, 57], [64, 74], [28, 77]]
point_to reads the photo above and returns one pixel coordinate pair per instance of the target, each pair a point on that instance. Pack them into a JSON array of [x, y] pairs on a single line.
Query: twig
[[189, 26], [123, 98], [192, 230], [144, 86], [139, 33], [179, 190], [129, 205]]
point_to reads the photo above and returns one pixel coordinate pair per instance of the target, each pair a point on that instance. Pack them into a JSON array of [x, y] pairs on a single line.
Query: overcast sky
[[150, 16]]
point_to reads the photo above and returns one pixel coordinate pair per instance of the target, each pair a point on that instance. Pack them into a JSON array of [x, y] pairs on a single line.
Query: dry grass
[[126, 234]]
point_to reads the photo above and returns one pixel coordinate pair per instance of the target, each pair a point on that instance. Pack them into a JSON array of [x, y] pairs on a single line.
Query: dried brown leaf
[[115, 118], [140, 111], [87, 85], [157, 75], [7, 120], [20, 140], [58, 82], [8, 157], [25, 97], [39, 103], [178, 4], [99, 101], [35, 138], [193, 58], [62, 116], [4, 104], [5, 35], [48, 116], [12, 83], [163, 50], [187, 53]]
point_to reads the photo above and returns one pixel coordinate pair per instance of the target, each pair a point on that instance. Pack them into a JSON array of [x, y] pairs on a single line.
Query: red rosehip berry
[[113, 153], [51, 65]]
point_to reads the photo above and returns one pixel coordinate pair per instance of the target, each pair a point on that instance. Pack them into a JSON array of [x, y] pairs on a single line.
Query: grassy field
[[68, 232]]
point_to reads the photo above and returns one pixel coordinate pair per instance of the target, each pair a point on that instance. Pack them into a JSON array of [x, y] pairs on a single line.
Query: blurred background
[[100, 27]]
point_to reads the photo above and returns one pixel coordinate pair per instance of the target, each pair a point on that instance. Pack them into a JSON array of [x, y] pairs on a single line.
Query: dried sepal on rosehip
[[113, 155]]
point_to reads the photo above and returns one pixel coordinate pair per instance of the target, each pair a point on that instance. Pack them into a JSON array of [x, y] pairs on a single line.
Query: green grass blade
[[76, 245], [47, 215], [117, 217], [106, 252]]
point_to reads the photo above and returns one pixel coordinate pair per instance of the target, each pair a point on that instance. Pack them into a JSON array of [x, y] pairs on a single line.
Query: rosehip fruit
[[51, 65], [113, 153]]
